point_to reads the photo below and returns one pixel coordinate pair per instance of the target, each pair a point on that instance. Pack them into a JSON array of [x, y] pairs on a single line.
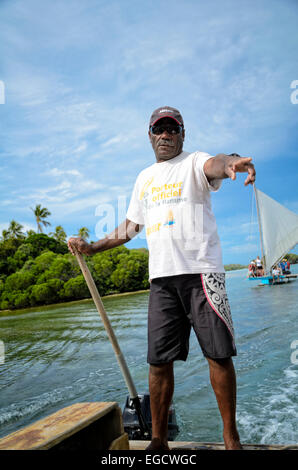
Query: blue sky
[[82, 78]]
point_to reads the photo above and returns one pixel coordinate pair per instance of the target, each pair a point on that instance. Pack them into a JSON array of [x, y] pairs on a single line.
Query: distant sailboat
[[278, 228]]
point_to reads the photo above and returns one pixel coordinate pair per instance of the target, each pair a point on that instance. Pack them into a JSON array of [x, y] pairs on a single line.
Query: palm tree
[[59, 234], [5, 234], [41, 213], [83, 233], [15, 230], [30, 232]]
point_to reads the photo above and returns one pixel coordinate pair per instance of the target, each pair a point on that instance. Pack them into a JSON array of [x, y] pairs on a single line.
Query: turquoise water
[[59, 355]]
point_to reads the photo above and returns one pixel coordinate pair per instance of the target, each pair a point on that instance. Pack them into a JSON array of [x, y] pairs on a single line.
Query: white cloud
[[234, 225], [82, 83], [58, 172], [66, 190], [242, 248]]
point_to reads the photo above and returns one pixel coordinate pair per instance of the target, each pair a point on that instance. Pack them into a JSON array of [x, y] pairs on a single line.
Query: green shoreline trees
[[39, 270]]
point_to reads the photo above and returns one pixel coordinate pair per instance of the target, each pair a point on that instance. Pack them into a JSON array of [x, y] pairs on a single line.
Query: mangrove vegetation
[[37, 269]]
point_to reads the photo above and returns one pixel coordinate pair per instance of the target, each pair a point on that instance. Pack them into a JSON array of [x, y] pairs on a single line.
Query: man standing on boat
[[171, 198]]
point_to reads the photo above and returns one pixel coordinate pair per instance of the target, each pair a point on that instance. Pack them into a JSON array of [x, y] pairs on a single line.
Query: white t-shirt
[[172, 200]]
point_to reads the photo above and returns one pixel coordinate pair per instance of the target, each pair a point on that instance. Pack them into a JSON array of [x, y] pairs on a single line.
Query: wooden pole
[[101, 310]]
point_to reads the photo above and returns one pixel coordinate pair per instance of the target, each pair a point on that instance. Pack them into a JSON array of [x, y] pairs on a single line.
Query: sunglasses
[[171, 129]]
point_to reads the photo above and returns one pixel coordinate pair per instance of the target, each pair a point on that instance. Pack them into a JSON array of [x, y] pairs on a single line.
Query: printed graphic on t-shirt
[[144, 193], [172, 200], [170, 218], [154, 196]]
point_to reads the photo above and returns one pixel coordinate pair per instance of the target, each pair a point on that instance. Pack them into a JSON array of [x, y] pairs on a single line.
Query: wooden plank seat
[[82, 426]]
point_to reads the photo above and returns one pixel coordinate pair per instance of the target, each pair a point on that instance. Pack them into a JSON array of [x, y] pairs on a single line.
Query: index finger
[[242, 164], [242, 161]]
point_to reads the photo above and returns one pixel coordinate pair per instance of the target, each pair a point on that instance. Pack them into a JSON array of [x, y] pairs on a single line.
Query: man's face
[[166, 145]]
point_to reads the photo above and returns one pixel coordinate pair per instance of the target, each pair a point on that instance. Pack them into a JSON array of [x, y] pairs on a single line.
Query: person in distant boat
[[282, 265], [171, 198], [276, 273], [285, 266], [288, 267], [260, 270], [252, 269]]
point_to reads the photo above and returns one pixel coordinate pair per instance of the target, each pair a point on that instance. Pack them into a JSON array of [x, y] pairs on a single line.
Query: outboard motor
[[132, 424]]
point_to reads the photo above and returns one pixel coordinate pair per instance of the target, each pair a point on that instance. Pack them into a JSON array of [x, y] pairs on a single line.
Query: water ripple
[[59, 355]]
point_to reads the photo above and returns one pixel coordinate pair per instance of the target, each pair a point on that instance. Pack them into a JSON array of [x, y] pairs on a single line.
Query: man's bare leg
[[161, 388], [223, 381]]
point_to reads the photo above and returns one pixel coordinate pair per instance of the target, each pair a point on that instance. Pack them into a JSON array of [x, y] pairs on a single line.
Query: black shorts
[[178, 302]]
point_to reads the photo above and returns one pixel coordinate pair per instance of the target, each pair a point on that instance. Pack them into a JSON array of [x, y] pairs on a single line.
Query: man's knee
[[161, 369], [225, 363]]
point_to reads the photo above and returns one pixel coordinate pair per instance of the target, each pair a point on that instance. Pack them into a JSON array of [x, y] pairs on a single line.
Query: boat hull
[[97, 426], [268, 280]]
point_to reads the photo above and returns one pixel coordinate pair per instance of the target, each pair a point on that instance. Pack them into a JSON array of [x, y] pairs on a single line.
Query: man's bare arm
[[226, 166], [122, 234]]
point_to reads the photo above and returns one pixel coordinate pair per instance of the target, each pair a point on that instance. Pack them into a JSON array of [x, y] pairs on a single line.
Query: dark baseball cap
[[166, 111]]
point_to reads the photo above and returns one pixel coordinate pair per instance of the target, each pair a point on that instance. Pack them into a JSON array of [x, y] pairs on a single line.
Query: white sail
[[279, 228]]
